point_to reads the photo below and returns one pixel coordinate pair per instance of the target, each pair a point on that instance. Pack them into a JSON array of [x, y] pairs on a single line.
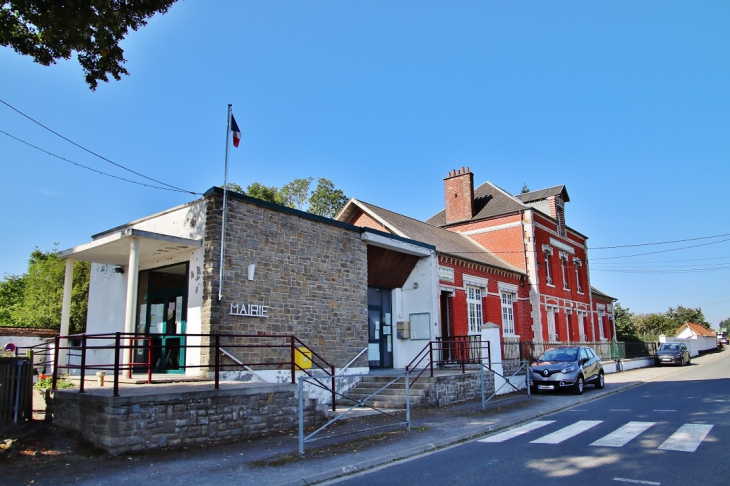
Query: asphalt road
[[672, 431]]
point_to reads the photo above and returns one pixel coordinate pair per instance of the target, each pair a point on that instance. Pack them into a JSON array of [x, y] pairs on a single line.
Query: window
[[601, 313], [564, 267], [552, 335], [578, 283], [548, 274], [508, 315], [582, 325], [568, 316], [474, 305]]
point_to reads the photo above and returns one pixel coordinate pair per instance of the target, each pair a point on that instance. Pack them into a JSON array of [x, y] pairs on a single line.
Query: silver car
[[566, 367]]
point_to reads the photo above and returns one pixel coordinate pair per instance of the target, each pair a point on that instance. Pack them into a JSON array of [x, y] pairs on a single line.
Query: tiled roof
[[489, 200], [541, 194], [446, 242], [697, 329]]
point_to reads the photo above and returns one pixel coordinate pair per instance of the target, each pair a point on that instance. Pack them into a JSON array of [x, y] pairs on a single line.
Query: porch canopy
[[126, 247]]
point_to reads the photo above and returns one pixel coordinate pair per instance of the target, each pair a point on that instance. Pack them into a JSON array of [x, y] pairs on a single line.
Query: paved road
[[675, 430]]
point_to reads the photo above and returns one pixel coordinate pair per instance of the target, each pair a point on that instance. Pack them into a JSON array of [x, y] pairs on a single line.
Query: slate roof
[[697, 329], [602, 294], [533, 196], [489, 200], [446, 242]]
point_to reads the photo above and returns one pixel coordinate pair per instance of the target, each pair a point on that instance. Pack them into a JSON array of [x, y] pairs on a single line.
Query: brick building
[[529, 231]]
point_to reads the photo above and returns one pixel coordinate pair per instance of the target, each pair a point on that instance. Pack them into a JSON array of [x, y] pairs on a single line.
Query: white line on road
[[567, 432], [687, 439], [636, 481], [620, 437], [665, 410], [517, 431], [620, 410]]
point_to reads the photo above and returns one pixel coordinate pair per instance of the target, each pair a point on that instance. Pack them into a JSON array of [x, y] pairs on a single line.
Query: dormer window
[[560, 215]]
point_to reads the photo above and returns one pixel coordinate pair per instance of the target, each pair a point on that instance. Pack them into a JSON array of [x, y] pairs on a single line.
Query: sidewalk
[[276, 460]]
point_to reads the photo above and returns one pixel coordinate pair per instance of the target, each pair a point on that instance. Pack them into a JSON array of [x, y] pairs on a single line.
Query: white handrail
[[226, 353], [354, 359]]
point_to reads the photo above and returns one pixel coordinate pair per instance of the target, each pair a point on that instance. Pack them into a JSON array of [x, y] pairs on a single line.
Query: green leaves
[[48, 30], [34, 299], [325, 200]]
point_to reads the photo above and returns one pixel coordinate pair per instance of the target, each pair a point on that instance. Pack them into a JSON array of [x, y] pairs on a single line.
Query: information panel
[[420, 326]]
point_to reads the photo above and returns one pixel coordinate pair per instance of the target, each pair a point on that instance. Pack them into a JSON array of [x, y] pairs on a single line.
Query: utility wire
[[94, 170], [658, 243], [94, 153], [661, 251]]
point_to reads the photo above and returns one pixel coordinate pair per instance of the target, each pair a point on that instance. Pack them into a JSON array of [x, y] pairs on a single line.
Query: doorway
[[446, 333], [380, 328], [162, 304]]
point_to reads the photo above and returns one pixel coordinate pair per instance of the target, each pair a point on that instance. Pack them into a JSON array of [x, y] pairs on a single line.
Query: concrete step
[[364, 392]]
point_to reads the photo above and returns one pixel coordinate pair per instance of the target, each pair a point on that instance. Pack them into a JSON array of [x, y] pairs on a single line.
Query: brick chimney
[[459, 194]]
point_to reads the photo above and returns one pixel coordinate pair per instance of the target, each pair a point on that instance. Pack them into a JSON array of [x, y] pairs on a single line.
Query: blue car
[[566, 367]]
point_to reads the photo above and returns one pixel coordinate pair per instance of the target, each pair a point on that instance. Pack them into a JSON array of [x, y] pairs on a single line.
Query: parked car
[[672, 353], [566, 367]]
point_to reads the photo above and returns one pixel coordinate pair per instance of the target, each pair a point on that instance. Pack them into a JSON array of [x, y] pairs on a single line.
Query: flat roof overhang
[[114, 248]]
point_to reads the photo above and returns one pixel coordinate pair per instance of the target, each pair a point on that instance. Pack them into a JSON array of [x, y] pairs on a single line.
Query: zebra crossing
[[686, 439]]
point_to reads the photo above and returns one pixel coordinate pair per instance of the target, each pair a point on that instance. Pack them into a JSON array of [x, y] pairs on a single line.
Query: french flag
[[235, 131]]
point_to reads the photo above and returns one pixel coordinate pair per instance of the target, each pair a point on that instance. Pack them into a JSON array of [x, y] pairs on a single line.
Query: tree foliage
[[625, 325], [48, 30], [34, 299], [266, 193], [725, 325], [649, 326], [326, 200], [296, 193], [681, 314], [525, 189]]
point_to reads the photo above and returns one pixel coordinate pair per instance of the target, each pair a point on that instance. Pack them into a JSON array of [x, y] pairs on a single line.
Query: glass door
[[380, 328], [162, 316]]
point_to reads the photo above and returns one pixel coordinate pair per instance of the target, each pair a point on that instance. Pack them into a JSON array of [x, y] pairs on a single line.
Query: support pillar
[[131, 306], [68, 283]]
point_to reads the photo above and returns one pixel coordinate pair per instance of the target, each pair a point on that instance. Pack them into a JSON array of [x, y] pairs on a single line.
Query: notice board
[[420, 326]]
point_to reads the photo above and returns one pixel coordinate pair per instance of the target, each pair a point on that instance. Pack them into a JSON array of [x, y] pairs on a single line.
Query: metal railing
[[456, 350], [149, 352]]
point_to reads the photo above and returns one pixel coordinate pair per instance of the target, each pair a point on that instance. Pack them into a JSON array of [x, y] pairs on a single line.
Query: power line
[[661, 251], [658, 243], [94, 170], [661, 261], [94, 153]]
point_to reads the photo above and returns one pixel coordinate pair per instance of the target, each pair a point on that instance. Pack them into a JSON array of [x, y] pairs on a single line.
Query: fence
[[515, 351], [16, 389], [148, 353]]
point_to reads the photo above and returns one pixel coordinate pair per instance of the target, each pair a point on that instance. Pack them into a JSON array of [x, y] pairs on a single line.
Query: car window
[[590, 352], [560, 354]]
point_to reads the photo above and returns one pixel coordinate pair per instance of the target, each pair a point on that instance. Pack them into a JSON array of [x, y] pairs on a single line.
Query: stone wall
[[449, 389], [137, 423], [311, 272]]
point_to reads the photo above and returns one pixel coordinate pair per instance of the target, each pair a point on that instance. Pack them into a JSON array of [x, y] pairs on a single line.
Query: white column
[[132, 282], [68, 283]]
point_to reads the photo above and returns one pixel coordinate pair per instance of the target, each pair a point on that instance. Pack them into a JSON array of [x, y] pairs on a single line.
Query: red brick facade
[[459, 195]]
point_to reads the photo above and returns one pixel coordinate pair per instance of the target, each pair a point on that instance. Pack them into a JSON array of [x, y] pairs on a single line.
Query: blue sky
[[626, 103]]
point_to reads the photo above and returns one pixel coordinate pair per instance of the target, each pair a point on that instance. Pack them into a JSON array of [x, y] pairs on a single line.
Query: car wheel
[[579, 385], [600, 381]]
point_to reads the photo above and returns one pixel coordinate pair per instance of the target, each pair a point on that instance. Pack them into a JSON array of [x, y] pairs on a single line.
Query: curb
[[458, 439]]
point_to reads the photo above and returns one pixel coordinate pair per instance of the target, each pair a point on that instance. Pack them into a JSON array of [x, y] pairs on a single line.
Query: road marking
[[620, 437], [620, 410], [687, 438], [567, 432], [517, 431], [636, 481], [665, 410]]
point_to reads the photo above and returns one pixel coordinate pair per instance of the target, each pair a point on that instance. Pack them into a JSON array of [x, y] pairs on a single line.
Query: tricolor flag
[[235, 131]]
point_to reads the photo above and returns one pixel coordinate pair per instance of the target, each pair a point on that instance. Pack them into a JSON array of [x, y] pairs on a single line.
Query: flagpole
[[225, 207]]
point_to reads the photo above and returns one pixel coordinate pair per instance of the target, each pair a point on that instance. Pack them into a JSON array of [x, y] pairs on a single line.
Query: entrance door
[[162, 317], [380, 328], [445, 327]]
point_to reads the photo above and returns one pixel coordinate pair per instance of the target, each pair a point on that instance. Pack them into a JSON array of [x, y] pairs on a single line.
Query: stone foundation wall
[[136, 423], [466, 387]]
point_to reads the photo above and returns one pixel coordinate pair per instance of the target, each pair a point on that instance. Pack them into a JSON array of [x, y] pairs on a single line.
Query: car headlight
[[569, 369]]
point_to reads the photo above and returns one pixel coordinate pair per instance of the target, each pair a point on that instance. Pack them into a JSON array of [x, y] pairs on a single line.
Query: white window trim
[[564, 269], [578, 264], [552, 336], [506, 287], [474, 281], [478, 310], [548, 252], [512, 308]]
